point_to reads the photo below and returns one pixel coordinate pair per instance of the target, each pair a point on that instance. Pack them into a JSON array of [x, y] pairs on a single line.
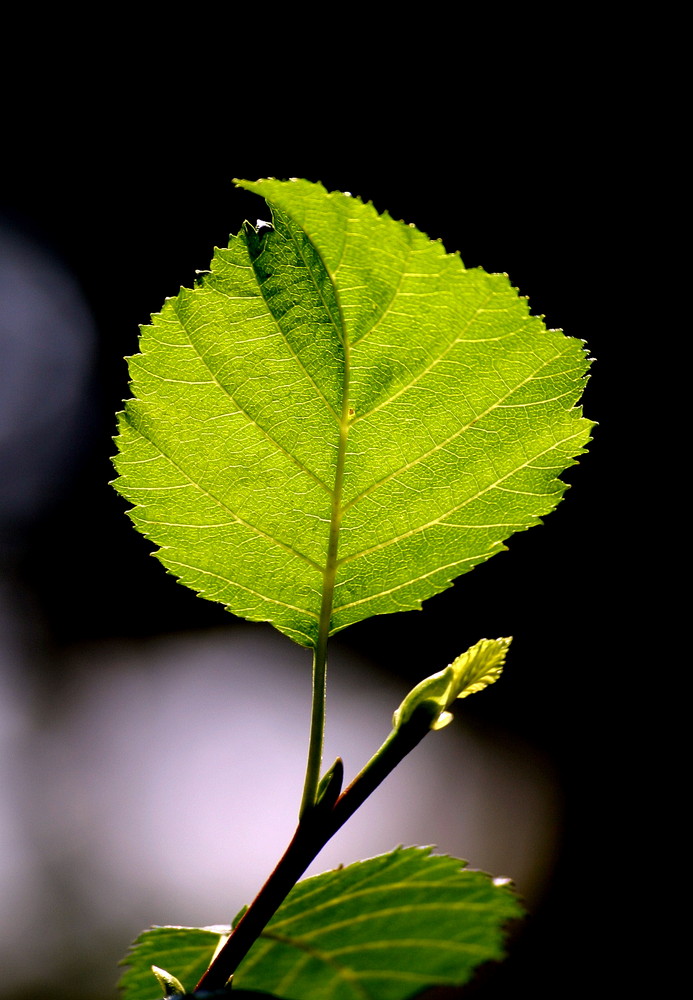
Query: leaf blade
[[363, 418], [381, 929], [386, 928]]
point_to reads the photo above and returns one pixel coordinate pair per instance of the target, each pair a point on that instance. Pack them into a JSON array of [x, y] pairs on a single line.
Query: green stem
[[314, 830], [317, 728]]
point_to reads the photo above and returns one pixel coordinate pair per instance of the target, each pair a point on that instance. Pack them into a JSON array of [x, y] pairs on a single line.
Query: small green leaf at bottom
[[382, 929]]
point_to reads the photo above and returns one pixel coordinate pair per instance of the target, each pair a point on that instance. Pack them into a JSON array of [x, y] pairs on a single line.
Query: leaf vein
[[396, 860], [459, 339], [404, 273], [400, 942], [340, 972], [362, 888], [297, 462], [416, 907], [287, 343], [443, 444], [453, 510], [240, 520], [241, 586]]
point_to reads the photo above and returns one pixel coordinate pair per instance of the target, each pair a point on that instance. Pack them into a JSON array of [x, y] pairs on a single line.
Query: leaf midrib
[[330, 570], [297, 462], [269, 311]]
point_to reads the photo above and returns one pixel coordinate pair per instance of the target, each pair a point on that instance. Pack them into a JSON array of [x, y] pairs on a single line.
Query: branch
[[316, 827]]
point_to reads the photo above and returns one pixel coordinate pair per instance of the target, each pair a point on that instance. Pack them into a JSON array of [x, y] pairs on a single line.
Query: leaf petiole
[[317, 727]]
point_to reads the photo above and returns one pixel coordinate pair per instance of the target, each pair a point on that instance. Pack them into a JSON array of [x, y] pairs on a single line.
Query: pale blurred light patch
[[46, 347], [168, 776], [19, 876]]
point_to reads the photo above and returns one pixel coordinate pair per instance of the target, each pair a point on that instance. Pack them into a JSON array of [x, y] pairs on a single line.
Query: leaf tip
[[171, 986]]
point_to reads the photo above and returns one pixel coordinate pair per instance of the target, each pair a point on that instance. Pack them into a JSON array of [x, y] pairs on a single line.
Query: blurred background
[[151, 746]]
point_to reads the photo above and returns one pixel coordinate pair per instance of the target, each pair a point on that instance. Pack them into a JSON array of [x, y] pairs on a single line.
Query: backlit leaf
[[340, 418]]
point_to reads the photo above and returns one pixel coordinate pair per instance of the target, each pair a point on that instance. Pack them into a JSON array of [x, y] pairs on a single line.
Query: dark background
[[121, 166]]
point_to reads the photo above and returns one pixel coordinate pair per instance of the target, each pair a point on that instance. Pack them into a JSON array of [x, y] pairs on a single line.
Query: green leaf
[[340, 418], [186, 950], [382, 929], [470, 672]]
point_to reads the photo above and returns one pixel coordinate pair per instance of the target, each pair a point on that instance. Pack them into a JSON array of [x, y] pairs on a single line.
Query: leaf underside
[[382, 929], [340, 407]]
